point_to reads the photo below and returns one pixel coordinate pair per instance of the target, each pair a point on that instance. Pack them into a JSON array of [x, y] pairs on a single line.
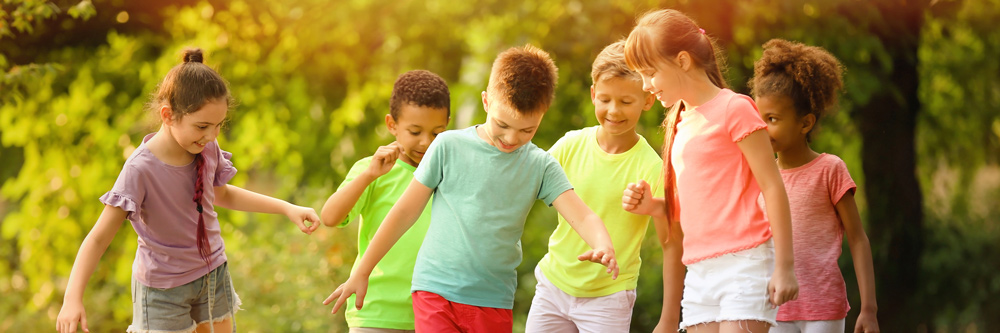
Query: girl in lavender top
[[168, 189]]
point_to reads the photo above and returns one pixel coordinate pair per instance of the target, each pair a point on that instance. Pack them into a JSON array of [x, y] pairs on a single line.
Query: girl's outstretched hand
[[353, 285], [783, 287], [300, 215], [638, 199], [604, 257], [71, 314]]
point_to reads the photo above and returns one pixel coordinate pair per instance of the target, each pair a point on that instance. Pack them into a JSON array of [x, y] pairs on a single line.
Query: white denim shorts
[[730, 287], [553, 310]]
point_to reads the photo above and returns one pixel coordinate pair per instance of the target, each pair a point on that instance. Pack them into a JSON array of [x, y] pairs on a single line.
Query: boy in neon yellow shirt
[[419, 111], [599, 161]]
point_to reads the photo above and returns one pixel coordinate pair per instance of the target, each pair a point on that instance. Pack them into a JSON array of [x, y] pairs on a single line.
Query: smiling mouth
[[199, 144], [614, 122]]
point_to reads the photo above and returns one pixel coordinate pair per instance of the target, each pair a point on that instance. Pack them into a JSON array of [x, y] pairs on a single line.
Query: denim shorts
[[730, 287], [209, 299]]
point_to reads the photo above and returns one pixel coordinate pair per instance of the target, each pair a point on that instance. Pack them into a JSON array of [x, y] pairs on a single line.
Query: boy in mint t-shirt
[[484, 180], [419, 111]]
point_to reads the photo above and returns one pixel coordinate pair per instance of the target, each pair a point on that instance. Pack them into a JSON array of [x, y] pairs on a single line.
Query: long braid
[[203, 245], [669, 175]]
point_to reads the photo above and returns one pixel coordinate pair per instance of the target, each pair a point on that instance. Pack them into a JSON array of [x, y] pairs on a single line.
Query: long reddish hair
[[661, 35]]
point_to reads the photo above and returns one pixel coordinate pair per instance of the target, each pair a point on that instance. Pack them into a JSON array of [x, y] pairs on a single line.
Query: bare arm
[[401, 217], [861, 253], [590, 227], [93, 247], [757, 150], [340, 203], [232, 197], [673, 273]]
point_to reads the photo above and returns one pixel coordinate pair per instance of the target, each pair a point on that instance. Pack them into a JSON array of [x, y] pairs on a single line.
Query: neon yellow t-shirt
[[599, 179], [388, 303]]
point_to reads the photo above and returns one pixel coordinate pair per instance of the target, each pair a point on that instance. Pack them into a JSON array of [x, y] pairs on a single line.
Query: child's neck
[[797, 156], [167, 150], [700, 91], [616, 144]]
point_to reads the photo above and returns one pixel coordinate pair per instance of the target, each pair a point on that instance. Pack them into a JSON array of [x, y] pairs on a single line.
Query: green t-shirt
[[388, 303], [599, 179], [481, 199]]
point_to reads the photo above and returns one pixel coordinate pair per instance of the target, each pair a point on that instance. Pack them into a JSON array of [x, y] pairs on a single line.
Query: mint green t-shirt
[[481, 199], [388, 303], [600, 179]]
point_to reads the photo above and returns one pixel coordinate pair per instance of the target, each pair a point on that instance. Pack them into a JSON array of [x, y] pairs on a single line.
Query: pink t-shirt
[[716, 190], [817, 236], [158, 199]]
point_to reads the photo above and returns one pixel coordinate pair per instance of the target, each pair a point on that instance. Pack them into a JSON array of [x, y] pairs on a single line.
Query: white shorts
[[553, 310], [809, 326], [730, 287]]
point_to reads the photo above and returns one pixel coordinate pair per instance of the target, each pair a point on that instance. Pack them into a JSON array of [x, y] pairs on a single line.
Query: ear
[[593, 95], [390, 124], [650, 100], [808, 122], [167, 115], [486, 102], [683, 60]]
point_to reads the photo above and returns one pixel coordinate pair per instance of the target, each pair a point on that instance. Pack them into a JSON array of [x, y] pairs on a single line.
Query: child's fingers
[[359, 299], [585, 256], [83, 323], [334, 295]]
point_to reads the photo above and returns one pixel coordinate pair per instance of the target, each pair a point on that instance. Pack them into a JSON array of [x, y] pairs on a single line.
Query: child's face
[[618, 103], [506, 131], [784, 126], [196, 129], [416, 127], [663, 81]]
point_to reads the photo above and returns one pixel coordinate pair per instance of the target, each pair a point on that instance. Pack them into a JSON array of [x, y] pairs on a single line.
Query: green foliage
[[312, 80]]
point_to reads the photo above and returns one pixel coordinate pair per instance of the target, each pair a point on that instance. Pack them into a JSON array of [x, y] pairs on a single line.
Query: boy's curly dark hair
[[420, 88], [524, 78], [808, 75]]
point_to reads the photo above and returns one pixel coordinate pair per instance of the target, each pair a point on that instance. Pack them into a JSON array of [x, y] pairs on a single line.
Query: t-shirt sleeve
[[225, 169], [430, 172], [554, 181], [127, 193], [742, 118], [840, 181], [362, 202]]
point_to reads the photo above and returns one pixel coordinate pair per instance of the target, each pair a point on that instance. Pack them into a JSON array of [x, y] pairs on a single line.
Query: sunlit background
[[919, 127]]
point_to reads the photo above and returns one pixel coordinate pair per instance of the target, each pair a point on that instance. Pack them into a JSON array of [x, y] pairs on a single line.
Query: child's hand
[[70, 314], [782, 288], [867, 322], [604, 257], [300, 215], [353, 285], [638, 199], [383, 159]]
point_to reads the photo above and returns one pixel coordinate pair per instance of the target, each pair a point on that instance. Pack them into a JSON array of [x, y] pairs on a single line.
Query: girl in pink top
[[794, 85], [167, 190], [717, 161]]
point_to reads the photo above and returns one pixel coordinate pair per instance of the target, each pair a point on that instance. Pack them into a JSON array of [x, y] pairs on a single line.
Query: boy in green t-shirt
[[600, 161], [419, 110], [484, 180]]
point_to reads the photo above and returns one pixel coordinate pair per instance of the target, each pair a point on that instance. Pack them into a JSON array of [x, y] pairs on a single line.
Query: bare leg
[[224, 326], [712, 327], [745, 326]]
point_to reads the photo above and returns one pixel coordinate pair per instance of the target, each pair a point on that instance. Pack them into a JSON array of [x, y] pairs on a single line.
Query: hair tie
[[702, 31]]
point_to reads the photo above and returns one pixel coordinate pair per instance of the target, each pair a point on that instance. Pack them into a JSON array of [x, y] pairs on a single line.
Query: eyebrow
[[508, 125]]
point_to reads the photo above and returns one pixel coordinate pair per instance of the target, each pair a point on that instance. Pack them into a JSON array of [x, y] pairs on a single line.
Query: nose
[[647, 84]]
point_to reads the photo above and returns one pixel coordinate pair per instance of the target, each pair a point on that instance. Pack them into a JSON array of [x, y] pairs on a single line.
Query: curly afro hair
[[810, 76], [421, 88]]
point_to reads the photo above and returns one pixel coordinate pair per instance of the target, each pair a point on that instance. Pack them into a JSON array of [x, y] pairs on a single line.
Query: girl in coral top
[[795, 85], [717, 162]]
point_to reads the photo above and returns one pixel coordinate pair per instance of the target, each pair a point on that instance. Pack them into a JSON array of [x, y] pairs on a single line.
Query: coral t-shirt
[[814, 190], [716, 190]]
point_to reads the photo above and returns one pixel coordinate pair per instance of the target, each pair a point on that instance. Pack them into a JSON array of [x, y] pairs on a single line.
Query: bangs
[[640, 51]]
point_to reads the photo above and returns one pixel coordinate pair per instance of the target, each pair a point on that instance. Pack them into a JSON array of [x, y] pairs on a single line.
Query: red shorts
[[434, 313]]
